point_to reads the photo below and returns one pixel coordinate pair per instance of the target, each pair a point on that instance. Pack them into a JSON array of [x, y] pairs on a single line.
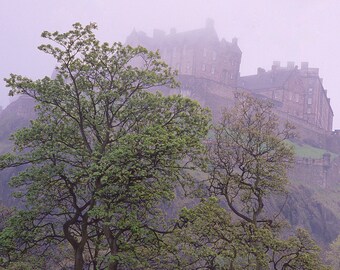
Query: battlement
[[291, 65]]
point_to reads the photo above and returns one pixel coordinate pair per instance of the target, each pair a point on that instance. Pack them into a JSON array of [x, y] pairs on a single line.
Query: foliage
[[333, 254], [297, 252], [248, 162], [103, 152], [249, 158], [211, 239], [208, 240]]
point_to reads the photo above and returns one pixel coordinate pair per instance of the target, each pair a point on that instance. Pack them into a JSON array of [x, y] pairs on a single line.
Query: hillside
[[17, 115]]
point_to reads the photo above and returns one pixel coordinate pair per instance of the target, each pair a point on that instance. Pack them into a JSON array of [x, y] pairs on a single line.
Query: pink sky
[[283, 30]]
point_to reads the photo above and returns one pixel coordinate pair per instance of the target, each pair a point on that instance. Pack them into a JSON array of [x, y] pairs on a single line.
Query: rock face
[[15, 116], [303, 209]]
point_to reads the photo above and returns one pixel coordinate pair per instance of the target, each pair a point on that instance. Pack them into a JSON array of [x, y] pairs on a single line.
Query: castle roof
[[193, 36], [203, 35], [140, 38], [266, 80]]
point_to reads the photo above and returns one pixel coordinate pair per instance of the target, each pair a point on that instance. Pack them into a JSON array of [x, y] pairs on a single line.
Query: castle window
[[310, 90], [231, 76], [204, 52], [203, 67], [290, 95], [224, 75], [309, 100], [309, 110], [213, 70], [297, 97], [214, 56]]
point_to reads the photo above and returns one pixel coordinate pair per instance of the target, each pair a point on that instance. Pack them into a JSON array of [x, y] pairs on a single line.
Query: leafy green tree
[[248, 163], [210, 239], [230, 229], [249, 158], [333, 254], [297, 252], [5, 214], [103, 153]]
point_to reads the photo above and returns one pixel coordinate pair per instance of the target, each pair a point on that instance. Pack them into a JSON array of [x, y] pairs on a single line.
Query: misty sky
[[267, 30]]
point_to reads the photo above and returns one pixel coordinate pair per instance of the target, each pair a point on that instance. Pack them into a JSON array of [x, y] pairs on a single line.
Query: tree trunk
[[113, 251], [78, 259], [112, 241], [113, 266]]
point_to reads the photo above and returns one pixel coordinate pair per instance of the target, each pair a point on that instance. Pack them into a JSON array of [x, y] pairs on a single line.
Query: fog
[[267, 30]]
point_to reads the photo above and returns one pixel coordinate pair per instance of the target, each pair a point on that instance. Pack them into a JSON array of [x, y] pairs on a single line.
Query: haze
[[267, 30]]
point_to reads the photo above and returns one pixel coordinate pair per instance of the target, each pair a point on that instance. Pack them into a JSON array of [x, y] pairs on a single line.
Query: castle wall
[[321, 172], [306, 132]]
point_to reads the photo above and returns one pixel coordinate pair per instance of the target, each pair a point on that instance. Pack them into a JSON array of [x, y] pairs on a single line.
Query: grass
[[308, 151], [329, 196]]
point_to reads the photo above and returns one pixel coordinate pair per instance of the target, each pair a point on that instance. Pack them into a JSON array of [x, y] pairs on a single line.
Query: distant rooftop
[[193, 37], [265, 79], [276, 77]]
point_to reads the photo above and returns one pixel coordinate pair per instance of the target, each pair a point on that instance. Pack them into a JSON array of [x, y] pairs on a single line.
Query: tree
[[208, 240], [249, 158], [333, 254], [248, 163], [211, 239], [296, 252], [103, 153], [5, 214], [229, 228]]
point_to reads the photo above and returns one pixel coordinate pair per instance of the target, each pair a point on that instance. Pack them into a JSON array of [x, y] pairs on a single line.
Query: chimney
[[209, 23], [304, 66], [290, 65], [276, 65], [260, 70], [234, 41]]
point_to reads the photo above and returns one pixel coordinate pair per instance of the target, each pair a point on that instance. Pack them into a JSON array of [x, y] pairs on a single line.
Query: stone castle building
[[198, 53], [298, 93], [209, 71]]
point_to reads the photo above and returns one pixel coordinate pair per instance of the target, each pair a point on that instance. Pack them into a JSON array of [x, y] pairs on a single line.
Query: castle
[[209, 71], [197, 53], [300, 93]]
